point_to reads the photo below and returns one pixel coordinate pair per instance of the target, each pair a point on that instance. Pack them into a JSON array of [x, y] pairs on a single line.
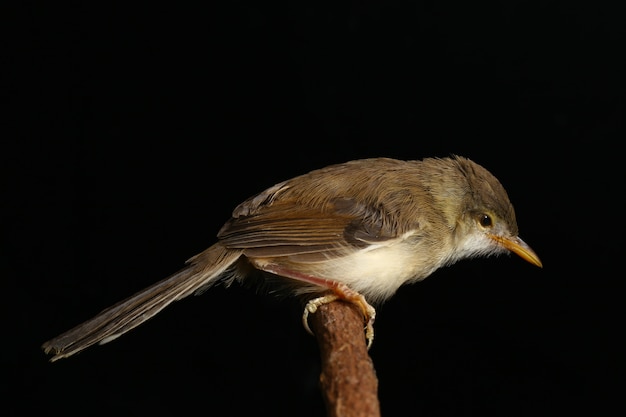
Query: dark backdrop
[[134, 130]]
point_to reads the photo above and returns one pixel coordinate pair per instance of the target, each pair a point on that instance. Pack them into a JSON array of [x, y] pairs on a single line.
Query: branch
[[348, 378]]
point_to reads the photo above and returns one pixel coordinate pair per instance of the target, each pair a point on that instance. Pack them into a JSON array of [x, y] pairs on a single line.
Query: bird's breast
[[376, 271]]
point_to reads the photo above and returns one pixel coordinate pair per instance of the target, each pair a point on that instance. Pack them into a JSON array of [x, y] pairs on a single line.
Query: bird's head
[[486, 218]]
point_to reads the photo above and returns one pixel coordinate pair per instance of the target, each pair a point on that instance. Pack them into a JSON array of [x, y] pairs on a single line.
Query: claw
[[338, 290], [349, 295], [312, 306]]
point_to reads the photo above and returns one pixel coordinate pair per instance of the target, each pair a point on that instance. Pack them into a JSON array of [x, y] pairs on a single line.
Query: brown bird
[[355, 231]]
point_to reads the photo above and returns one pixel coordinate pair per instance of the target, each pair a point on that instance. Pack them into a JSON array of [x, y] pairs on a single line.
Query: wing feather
[[325, 212], [289, 230]]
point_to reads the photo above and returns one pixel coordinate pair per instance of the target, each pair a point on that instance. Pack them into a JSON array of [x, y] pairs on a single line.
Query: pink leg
[[338, 291]]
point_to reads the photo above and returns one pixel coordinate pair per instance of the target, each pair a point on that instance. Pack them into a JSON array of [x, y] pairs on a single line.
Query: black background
[[134, 130]]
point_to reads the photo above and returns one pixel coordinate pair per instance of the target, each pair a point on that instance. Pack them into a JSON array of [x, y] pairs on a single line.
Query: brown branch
[[348, 379]]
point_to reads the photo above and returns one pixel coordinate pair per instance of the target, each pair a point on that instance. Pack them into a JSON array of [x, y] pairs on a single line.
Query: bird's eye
[[485, 220]]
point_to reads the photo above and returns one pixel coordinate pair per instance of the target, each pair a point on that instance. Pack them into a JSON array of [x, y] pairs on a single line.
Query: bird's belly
[[376, 272]]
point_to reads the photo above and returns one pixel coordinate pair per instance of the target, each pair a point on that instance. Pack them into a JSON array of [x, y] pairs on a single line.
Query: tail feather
[[203, 270]]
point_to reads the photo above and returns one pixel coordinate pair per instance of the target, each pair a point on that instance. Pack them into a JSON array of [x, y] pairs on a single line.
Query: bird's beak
[[518, 247]]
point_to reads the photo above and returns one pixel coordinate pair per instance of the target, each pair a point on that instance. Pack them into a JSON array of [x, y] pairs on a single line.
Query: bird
[[355, 231]]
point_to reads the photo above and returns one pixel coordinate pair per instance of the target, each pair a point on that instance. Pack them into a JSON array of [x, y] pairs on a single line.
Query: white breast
[[379, 270]]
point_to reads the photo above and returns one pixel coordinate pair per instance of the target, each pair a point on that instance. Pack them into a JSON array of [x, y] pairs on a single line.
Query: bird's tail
[[202, 271]]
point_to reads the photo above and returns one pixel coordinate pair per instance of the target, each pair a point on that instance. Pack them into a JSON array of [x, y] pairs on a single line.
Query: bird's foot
[[343, 292], [338, 291]]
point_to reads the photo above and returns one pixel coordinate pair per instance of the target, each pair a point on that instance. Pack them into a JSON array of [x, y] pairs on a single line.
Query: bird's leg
[[343, 292], [338, 291]]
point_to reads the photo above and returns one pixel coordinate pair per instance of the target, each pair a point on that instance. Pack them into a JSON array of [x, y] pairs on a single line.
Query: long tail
[[203, 270]]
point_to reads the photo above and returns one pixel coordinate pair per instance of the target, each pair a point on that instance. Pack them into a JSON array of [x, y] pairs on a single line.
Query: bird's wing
[[327, 211], [311, 231]]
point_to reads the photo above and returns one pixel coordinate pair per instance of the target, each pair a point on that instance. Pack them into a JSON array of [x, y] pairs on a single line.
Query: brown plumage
[[357, 230]]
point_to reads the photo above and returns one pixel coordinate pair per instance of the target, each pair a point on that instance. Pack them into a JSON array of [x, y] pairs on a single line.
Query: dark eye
[[485, 220]]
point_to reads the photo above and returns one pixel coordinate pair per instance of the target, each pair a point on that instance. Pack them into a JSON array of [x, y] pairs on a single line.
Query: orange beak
[[518, 247]]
